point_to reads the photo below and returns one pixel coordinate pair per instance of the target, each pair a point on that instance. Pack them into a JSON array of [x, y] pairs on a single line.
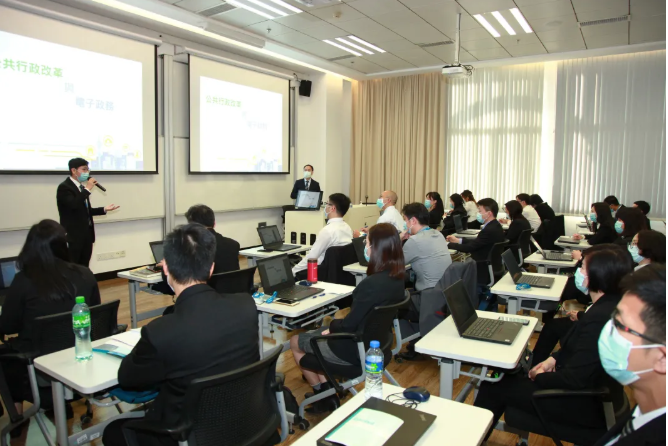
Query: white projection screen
[[239, 120], [68, 92]]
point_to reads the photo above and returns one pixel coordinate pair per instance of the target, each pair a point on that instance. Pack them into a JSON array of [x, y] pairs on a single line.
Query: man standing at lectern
[[76, 213], [308, 183]]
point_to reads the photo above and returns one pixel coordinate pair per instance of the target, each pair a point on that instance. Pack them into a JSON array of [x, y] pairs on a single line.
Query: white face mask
[[307, 174]]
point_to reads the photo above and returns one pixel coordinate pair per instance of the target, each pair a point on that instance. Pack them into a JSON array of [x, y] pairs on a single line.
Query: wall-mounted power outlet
[[111, 255]]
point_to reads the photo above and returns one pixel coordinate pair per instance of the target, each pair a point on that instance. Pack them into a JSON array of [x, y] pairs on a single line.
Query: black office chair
[[522, 249], [286, 208], [51, 334], [521, 422], [376, 327], [494, 263], [240, 281], [243, 407], [331, 269]]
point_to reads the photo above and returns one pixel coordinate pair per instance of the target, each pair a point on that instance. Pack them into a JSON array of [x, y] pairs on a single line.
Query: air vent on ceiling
[[624, 18], [334, 59], [224, 7], [429, 45]]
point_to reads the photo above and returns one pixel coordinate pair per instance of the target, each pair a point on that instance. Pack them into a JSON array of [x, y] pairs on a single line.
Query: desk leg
[[251, 261], [359, 278], [513, 305], [59, 413], [447, 378], [542, 269], [133, 287]]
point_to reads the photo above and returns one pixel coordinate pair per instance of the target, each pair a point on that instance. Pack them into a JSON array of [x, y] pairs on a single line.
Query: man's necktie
[[628, 428], [307, 184]]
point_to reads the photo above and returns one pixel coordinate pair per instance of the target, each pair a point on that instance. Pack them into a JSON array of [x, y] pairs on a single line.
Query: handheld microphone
[[101, 187]]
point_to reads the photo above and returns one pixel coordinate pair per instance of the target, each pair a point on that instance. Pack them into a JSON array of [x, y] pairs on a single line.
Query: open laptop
[[470, 326], [552, 255], [459, 227], [8, 269], [271, 239], [590, 225], [276, 275], [568, 240], [359, 244], [308, 200], [516, 273], [158, 250]]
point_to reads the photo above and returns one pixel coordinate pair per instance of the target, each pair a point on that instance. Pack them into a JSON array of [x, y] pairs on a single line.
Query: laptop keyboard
[[291, 293], [484, 328], [531, 280], [556, 256]]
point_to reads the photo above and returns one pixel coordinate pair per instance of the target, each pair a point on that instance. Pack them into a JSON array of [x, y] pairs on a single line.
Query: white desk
[[252, 254], [583, 231], [85, 378], [542, 264], [134, 286], [445, 344], [505, 287], [584, 244], [359, 271], [456, 423], [333, 292]]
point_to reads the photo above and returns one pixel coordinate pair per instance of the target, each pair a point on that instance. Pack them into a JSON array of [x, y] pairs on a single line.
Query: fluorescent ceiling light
[[269, 8], [521, 20], [364, 42], [497, 15], [287, 5], [364, 50], [250, 8], [342, 47], [483, 21]]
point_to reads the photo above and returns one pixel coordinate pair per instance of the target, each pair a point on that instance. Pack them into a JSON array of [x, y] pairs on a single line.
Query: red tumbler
[[312, 272]]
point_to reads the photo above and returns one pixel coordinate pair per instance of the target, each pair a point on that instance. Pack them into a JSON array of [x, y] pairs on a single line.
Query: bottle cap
[[312, 261], [81, 300], [375, 344]]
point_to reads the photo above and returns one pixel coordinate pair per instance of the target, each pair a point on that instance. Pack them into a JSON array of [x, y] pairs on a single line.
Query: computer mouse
[[417, 393]]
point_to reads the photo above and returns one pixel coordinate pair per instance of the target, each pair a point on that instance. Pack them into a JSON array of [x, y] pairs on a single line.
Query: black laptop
[[590, 225], [8, 269], [308, 200], [516, 273], [568, 240], [470, 326], [271, 239], [276, 275], [552, 255], [459, 227], [359, 244]]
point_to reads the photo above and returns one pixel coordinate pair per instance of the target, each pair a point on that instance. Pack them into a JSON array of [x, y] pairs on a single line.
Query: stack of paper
[[121, 344]]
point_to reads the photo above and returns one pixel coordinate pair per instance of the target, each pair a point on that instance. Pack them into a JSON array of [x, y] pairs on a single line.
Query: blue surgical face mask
[[579, 282], [635, 253], [452, 206], [83, 177], [427, 204], [614, 351], [325, 211], [619, 227], [592, 217], [479, 218], [380, 203], [367, 257]]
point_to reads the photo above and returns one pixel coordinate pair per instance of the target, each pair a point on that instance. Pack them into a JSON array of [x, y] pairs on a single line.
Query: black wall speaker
[[305, 88]]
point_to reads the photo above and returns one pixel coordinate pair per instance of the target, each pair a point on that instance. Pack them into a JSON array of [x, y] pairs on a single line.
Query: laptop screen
[[158, 250], [8, 269], [461, 308], [269, 235], [535, 243], [275, 273], [458, 223], [360, 243], [308, 199], [509, 259]]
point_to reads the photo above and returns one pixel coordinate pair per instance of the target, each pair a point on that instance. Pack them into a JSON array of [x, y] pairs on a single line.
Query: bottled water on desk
[[83, 350], [374, 372]]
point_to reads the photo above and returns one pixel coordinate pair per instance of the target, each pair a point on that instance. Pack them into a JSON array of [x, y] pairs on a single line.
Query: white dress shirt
[[471, 210], [78, 184], [530, 214], [335, 233], [392, 216], [640, 419]]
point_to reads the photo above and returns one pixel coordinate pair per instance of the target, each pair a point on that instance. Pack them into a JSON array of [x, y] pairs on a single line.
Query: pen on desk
[[319, 295]]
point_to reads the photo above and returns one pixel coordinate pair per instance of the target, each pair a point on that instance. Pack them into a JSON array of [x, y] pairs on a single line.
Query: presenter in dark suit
[[308, 183], [76, 212]]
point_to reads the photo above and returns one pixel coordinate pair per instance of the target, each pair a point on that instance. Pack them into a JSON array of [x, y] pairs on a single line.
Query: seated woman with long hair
[[456, 208]]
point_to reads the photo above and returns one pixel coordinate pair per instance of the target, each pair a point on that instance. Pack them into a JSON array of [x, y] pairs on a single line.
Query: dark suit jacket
[[603, 234], [480, 246], [227, 254], [545, 212], [515, 230], [650, 434], [449, 221], [23, 303], [299, 185], [376, 290], [207, 334], [435, 216], [74, 215]]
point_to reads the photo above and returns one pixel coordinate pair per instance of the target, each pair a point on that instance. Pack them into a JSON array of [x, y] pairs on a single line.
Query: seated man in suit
[[227, 249], [632, 349], [491, 233], [613, 202], [335, 233], [308, 183], [198, 339]]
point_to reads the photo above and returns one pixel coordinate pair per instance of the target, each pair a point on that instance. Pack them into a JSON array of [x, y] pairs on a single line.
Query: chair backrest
[[240, 281], [378, 325], [524, 243], [495, 258], [54, 332], [236, 408], [331, 268]]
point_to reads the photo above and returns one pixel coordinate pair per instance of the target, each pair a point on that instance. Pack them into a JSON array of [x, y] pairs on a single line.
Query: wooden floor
[[424, 373]]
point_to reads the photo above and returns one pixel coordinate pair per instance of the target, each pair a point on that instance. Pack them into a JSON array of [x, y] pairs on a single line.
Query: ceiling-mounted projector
[[455, 71]]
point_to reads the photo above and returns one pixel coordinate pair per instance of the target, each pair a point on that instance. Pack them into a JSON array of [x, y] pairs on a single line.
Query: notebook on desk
[[121, 344]]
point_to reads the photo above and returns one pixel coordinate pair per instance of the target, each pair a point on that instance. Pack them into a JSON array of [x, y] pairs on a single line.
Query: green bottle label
[[81, 320]]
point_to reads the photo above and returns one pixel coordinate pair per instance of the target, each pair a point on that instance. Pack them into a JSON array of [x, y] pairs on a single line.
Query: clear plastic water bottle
[[83, 350], [374, 372]]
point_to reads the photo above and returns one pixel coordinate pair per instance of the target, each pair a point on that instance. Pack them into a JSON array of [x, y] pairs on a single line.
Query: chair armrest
[[321, 360], [278, 382], [178, 433], [25, 357], [120, 329]]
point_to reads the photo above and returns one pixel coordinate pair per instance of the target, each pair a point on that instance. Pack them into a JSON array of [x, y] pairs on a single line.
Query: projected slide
[[59, 102], [241, 128]]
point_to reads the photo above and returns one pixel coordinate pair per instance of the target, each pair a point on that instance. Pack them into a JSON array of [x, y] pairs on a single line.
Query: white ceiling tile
[[607, 40], [372, 8], [299, 21], [395, 18], [361, 65], [323, 49], [482, 6], [526, 50], [561, 46], [643, 8], [600, 14], [519, 39], [648, 29], [563, 33], [241, 17], [324, 30], [171, 2], [389, 61], [465, 56], [475, 34], [446, 53], [419, 57], [369, 30], [533, 2], [420, 33], [620, 7], [324, 4], [276, 29], [544, 10], [295, 39], [338, 13], [398, 45], [605, 29], [492, 53], [552, 23], [197, 5], [481, 44], [412, 4], [443, 16]]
